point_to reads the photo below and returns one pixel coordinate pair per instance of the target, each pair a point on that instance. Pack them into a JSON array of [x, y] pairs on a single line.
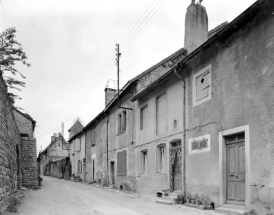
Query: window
[[121, 122], [161, 158], [122, 163], [78, 145], [93, 137], [143, 117], [161, 118], [144, 162], [202, 86]]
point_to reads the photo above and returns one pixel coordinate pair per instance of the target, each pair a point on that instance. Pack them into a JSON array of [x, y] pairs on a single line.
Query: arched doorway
[[175, 166]]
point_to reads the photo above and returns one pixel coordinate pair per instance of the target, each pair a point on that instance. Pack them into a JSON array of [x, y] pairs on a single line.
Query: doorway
[[175, 167], [112, 172], [93, 169], [18, 167], [235, 169]]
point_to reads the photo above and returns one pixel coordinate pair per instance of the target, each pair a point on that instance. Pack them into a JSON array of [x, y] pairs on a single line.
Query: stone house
[[17, 149], [29, 169], [57, 149], [225, 107], [78, 156]]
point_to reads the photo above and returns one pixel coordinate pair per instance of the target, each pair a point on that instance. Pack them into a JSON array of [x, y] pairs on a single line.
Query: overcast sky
[[70, 45]]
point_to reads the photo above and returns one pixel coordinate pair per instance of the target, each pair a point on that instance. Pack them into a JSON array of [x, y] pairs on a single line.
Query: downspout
[[85, 156], [107, 151], [184, 128]]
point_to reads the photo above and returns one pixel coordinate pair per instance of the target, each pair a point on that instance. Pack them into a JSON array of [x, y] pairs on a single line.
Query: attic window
[[202, 86]]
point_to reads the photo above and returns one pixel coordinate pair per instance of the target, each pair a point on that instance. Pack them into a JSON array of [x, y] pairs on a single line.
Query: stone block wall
[[29, 163], [9, 149], [59, 169]]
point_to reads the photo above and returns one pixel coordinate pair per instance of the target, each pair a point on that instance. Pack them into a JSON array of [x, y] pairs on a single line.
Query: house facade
[[227, 142], [57, 149]]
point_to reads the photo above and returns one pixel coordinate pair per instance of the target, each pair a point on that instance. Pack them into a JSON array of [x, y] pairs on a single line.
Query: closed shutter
[[119, 163], [124, 162], [158, 157], [161, 114]]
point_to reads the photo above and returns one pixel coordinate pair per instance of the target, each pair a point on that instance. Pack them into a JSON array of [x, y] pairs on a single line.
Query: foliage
[[11, 52]]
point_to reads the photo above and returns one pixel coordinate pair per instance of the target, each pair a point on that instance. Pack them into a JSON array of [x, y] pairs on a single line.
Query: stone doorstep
[[166, 202], [231, 210]]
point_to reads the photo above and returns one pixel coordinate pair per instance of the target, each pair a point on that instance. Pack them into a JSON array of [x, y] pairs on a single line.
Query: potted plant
[[193, 199], [188, 198], [204, 200], [197, 199], [180, 197]]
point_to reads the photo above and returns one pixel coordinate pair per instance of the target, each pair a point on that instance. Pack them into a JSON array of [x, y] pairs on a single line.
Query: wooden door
[[177, 175], [112, 172], [235, 155]]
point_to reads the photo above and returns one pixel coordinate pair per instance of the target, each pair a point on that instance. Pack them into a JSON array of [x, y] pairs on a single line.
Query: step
[[169, 198], [166, 202], [231, 209]]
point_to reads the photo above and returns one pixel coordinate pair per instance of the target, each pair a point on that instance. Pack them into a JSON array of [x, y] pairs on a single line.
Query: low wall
[[59, 169]]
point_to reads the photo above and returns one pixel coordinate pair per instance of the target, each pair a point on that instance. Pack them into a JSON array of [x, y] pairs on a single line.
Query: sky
[[70, 45]]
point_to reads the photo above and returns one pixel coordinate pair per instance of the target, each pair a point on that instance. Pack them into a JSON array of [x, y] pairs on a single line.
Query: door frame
[[222, 163]]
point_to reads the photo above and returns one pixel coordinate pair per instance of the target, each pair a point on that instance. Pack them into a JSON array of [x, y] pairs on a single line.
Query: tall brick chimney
[[196, 26], [109, 95]]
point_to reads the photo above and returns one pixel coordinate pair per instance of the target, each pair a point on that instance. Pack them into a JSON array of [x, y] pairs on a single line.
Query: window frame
[[121, 119], [142, 127], [159, 158], [144, 161], [204, 71]]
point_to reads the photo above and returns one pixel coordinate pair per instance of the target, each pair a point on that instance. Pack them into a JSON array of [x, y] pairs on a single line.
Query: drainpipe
[[184, 127], [107, 150]]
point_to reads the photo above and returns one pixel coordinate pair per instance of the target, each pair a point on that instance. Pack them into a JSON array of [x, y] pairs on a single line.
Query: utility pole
[[118, 54]]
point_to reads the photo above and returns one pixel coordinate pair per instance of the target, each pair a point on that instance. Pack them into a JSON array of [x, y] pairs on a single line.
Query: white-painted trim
[[195, 103], [222, 164], [198, 139]]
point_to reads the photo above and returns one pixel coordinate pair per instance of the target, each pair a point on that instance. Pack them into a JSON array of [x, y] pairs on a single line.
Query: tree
[[11, 52]]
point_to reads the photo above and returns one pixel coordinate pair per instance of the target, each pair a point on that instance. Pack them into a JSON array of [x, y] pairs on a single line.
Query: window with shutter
[[202, 86], [143, 117], [121, 122], [161, 119], [122, 163]]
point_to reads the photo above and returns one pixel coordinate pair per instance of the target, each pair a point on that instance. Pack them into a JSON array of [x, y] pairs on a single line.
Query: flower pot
[[180, 202]]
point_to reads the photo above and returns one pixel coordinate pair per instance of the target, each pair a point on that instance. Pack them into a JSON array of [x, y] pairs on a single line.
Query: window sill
[[163, 172], [121, 133]]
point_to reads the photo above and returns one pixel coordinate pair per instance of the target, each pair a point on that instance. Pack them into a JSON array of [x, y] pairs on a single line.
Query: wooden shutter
[[161, 114], [158, 156], [124, 162]]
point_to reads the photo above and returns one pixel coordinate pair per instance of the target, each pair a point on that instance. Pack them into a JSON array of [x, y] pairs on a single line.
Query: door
[[235, 155], [175, 166], [93, 168], [177, 175], [112, 172]]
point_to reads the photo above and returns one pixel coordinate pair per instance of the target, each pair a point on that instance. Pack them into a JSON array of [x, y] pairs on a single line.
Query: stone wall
[[9, 149], [29, 162], [59, 169]]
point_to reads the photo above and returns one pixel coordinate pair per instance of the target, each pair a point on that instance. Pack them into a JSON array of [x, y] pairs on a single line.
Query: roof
[[77, 125], [26, 116], [223, 31], [215, 30]]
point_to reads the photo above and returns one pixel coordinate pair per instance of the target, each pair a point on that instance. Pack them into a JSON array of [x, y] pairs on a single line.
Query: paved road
[[60, 197]]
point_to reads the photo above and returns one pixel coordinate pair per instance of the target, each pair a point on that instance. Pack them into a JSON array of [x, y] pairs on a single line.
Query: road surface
[[61, 197]]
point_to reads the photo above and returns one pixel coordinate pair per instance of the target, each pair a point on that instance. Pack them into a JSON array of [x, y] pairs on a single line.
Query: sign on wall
[[199, 144]]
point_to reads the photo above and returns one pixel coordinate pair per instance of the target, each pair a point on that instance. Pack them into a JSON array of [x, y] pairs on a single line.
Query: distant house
[[25, 123], [56, 150], [26, 126], [77, 151]]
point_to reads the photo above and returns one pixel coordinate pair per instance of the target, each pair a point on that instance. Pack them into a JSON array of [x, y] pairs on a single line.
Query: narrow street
[[60, 197]]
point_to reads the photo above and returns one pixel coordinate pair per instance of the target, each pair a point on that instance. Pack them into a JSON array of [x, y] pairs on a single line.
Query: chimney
[[196, 26], [109, 95]]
